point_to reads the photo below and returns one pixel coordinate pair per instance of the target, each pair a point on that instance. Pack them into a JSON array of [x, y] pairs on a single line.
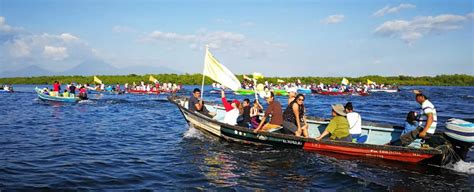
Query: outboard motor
[[460, 134]]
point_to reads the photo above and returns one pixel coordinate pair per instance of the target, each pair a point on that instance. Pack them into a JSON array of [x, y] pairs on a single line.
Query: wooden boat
[[45, 97], [378, 136], [385, 90], [143, 91]]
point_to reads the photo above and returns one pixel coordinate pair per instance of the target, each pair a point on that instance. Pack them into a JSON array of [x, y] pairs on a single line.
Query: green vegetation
[[195, 79]]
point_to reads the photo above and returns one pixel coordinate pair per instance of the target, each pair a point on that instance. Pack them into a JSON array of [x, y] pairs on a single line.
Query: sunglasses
[[300, 99]]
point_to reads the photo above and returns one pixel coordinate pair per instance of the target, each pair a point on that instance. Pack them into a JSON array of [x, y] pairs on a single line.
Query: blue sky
[[276, 38]]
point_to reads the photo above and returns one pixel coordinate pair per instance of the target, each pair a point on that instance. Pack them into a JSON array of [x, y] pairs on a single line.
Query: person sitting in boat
[[291, 94], [338, 127], [274, 109], [83, 93], [254, 114], [427, 120], [45, 91], [410, 123], [294, 121], [355, 121], [232, 111], [197, 105], [244, 119], [65, 93]]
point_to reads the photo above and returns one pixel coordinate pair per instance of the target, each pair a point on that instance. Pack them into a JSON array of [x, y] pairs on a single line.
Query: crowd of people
[[345, 124], [156, 86]]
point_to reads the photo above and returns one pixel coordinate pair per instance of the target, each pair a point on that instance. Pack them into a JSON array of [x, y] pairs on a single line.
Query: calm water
[[142, 142]]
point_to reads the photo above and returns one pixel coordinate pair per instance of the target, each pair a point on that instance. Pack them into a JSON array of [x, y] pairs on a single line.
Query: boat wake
[[462, 167], [87, 101], [193, 133]]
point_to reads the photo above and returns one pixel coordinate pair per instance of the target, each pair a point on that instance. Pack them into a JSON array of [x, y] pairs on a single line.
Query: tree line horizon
[[196, 79]]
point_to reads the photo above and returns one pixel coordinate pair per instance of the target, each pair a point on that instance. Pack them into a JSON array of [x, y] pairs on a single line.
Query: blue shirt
[[409, 127]]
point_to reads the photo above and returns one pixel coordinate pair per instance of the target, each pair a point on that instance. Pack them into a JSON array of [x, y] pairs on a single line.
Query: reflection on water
[[135, 142]]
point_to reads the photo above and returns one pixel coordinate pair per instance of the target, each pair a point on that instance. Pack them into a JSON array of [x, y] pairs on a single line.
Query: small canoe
[[143, 92], [333, 93], [385, 90], [373, 146], [45, 97]]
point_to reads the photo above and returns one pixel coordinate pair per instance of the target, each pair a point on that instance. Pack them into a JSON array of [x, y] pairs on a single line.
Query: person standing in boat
[[274, 109], [355, 121], [72, 90], [232, 111], [56, 88], [338, 127], [293, 116]]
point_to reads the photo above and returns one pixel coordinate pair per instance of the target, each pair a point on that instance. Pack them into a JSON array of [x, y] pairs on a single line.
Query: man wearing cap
[[427, 120], [274, 109], [232, 110], [338, 127]]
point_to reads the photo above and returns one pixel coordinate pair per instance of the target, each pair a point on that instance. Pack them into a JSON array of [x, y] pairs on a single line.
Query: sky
[[276, 38]]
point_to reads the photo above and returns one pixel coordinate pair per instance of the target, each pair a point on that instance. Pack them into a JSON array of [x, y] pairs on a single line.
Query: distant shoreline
[[195, 79]]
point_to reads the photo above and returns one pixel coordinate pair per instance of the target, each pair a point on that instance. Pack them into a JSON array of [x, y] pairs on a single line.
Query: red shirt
[[227, 105], [56, 87]]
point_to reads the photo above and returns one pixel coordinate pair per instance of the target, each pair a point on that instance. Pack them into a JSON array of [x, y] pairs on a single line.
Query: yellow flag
[[345, 81], [97, 80], [218, 72], [257, 76], [370, 82], [280, 81], [246, 77], [152, 79]]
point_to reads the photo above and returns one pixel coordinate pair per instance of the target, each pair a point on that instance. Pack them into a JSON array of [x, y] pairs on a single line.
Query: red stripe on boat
[[410, 157]]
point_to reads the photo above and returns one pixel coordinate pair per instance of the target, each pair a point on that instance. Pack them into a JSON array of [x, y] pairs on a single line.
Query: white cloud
[[55, 53], [387, 9], [19, 48], [222, 21], [219, 40], [333, 19], [67, 37], [50, 51], [410, 31]]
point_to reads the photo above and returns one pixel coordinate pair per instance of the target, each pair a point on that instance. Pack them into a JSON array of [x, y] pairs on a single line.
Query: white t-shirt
[[428, 107], [355, 123], [231, 116]]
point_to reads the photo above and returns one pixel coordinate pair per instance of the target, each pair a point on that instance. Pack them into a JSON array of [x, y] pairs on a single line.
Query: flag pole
[[202, 83]]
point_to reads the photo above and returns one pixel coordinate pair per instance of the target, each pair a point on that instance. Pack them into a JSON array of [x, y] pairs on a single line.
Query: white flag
[[218, 72]]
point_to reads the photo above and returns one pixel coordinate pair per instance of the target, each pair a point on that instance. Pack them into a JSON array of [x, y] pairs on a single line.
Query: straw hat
[[339, 109]]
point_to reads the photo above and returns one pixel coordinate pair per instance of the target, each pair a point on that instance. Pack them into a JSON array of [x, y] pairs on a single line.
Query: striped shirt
[[426, 108]]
